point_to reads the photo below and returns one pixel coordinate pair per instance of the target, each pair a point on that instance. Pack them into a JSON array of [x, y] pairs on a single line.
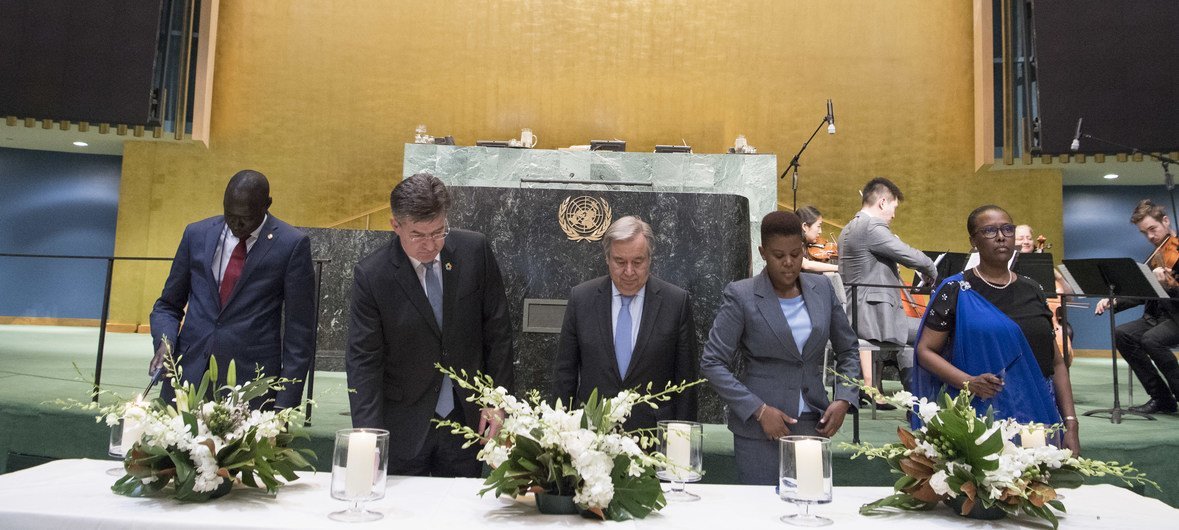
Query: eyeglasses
[[438, 236], [991, 231]]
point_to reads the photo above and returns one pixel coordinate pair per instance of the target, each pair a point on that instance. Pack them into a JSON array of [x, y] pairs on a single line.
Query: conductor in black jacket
[[432, 295], [628, 329]]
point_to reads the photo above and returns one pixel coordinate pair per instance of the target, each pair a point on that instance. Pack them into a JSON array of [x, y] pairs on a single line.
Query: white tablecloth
[[76, 494]]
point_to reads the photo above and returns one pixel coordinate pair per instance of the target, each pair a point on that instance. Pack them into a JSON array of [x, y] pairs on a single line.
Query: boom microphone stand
[[1168, 178], [829, 121]]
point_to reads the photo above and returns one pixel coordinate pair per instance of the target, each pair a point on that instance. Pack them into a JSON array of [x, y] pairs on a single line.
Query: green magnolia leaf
[[134, 487], [1065, 478], [634, 497], [900, 501]]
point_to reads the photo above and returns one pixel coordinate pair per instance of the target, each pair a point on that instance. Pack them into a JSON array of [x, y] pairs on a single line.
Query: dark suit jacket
[[750, 325], [269, 320], [394, 340], [664, 352]]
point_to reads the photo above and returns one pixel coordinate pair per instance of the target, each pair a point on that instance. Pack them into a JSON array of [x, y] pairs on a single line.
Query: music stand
[[1120, 278], [946, 263], [1037, 266]]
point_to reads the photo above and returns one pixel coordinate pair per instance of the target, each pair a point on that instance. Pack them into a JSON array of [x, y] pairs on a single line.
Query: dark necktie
[[434, 294], [233, 271]]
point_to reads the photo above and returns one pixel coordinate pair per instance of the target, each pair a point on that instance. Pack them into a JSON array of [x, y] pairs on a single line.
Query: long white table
[[76, 494]]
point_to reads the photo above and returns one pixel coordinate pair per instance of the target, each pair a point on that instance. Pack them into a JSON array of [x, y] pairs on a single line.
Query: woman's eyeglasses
[[992, 231]]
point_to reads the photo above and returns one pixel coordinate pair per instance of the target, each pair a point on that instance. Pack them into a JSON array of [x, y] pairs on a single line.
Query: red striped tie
[[233, 271]]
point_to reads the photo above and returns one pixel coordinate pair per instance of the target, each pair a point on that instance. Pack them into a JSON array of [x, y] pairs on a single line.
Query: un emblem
[[584, 218]]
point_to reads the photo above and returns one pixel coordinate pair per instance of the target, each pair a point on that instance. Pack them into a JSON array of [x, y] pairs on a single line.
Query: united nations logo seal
[[584, 218]]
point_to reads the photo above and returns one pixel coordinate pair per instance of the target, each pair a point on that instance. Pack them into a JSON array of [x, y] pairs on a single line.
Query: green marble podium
[[754, 177]]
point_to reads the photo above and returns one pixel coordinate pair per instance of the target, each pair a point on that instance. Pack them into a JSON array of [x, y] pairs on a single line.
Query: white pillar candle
[[808, 462], [1032, 437], [679, 447], [132, 432], [358, 474]]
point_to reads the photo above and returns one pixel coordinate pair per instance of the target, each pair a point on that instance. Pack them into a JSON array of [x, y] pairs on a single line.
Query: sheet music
[[972, 261], [1154, 282], [936, 261], [1068, 279]]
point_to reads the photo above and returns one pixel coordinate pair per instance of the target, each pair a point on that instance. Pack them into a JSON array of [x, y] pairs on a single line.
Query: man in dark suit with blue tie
[[627, 329], [247, 281], [432, 295]]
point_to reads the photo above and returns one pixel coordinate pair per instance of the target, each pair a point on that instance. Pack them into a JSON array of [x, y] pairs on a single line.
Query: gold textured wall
[[321, 96]]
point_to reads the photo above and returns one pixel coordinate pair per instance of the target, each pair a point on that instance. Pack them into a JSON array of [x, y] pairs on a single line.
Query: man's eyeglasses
[[992, 231], [437, 236]]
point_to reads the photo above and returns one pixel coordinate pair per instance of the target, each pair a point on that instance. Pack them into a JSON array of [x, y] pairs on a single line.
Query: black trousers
[[1146, 344], [442, 454]]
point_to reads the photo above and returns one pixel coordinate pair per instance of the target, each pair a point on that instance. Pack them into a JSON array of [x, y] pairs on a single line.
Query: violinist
[[1146, 343], [1024, 242], [819, 252]]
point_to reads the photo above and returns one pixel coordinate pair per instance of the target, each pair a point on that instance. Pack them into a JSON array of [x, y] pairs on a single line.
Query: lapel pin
[[449, 266], [269, 236]]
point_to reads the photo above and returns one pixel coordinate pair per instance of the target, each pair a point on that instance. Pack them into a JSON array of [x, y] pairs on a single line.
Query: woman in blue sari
[[991, 328]]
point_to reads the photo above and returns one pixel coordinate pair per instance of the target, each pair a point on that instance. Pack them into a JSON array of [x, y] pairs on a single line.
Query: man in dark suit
[[432, 295], [247, 280], [628, 329], [869, 253]]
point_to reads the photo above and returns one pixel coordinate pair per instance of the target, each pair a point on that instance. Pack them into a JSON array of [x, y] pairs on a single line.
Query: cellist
[[1146, 343], [1026, 244]]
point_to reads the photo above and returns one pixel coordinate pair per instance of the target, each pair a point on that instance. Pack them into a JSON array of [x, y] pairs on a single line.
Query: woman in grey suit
[[779, 323]]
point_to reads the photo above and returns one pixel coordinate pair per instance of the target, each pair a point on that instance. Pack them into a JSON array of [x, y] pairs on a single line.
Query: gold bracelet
[[1074, 418]]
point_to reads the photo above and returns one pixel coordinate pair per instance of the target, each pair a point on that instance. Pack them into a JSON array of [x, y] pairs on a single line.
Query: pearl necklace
[[1010, 278]]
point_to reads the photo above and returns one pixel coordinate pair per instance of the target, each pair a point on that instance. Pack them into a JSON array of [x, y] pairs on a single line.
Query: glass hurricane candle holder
[[804, 477], [360, 462], [681, 442], [115, 449]]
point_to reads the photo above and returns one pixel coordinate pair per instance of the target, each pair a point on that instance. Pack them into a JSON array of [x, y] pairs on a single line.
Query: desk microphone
[[1076, 138], [830, 118]]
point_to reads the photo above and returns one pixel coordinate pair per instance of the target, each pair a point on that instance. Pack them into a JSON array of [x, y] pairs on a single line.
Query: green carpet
[[37, 367]]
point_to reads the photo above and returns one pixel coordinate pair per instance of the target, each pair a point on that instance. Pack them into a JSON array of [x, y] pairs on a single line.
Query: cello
[[1054, 303]]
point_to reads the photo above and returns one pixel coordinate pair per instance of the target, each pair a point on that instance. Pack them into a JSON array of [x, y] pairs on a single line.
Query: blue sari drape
[[985, 340]]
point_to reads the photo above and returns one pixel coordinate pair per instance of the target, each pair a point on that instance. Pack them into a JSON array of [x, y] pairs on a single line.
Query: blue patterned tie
[[622, 346], [434, 294]]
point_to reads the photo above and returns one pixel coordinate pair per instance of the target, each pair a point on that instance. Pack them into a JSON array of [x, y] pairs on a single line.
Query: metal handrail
[[106, 302]]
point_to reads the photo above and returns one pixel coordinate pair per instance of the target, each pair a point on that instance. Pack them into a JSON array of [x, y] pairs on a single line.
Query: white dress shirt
[[229, 241], [419, 268]]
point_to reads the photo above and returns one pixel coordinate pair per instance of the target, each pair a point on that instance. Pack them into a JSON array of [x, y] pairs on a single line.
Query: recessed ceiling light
[[81, 143], [1111, 176]]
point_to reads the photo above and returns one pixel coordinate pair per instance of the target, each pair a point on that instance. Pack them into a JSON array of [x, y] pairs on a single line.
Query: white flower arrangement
[[204, 445], [958, 454], [584, 452]]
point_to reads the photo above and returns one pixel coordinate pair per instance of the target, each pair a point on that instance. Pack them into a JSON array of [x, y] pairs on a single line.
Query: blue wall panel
[[1097, 225], [56, 203]]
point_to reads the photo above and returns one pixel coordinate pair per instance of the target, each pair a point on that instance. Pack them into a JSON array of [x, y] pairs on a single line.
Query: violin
[[822, 250], [1165, 255]]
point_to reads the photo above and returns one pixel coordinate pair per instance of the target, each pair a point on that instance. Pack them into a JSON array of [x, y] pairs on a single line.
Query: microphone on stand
[[830, 118], [1076, 137]]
